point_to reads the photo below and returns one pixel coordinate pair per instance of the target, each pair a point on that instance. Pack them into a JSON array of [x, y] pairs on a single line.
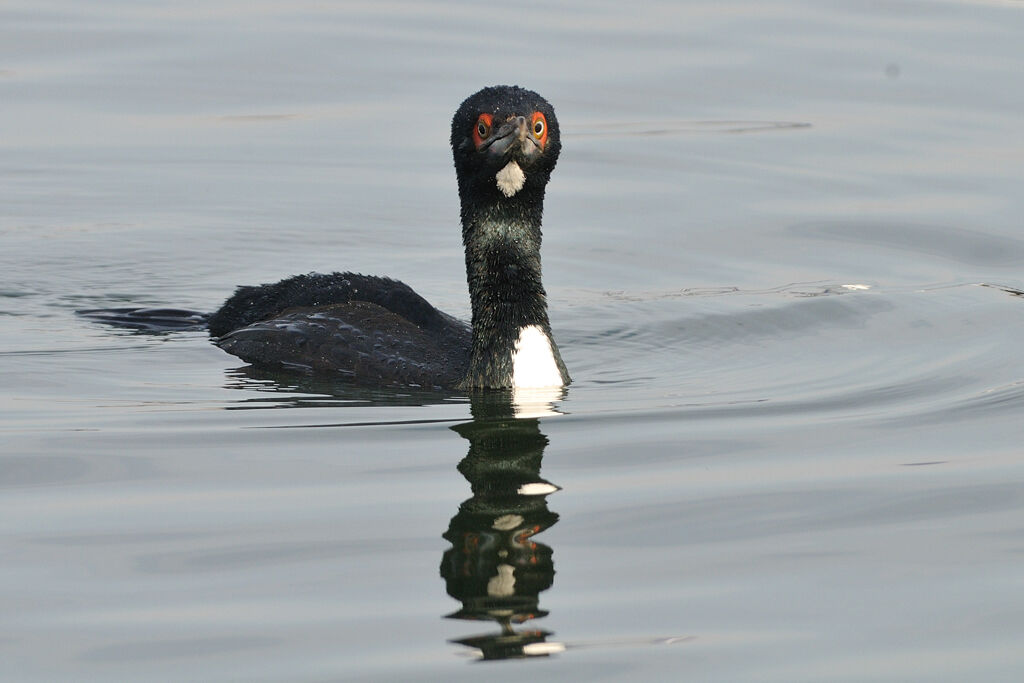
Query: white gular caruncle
[[510, 179]]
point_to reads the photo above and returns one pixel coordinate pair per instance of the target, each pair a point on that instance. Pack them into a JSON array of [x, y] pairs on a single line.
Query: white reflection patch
[[536, 488], [534, 649], [506, 522], [504, 584], [537, 402]]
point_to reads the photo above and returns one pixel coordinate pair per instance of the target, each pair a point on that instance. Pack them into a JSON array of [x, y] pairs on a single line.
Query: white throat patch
[[510, 179], [533, 363]]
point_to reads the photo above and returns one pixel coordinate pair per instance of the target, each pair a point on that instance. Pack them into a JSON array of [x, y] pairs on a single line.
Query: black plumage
[[373, 330]]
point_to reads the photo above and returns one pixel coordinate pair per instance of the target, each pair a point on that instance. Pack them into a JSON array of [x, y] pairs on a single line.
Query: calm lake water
[[784, 251]]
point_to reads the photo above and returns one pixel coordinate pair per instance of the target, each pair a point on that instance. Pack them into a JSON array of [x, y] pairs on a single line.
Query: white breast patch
[[533, 363], [510, 179]]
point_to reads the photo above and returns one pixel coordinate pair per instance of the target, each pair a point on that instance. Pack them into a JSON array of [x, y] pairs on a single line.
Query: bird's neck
[[512, 344]]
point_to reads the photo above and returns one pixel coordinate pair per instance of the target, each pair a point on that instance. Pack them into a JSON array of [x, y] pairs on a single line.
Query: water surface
[[784, 259]]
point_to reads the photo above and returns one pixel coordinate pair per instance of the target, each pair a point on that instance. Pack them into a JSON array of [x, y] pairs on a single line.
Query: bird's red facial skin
[[539, 128], [485, 122], [482, 129]]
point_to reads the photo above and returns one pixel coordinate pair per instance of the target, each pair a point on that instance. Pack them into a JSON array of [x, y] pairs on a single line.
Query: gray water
[[784, 257]]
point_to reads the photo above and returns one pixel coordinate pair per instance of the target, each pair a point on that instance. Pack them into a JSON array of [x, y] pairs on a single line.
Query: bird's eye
[[482, 129], [539, 128]]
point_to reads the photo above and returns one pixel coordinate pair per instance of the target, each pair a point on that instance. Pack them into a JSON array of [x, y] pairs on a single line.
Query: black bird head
[[505, 142]]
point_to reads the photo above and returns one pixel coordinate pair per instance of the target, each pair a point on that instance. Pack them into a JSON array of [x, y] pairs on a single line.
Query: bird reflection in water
[[495, 566]]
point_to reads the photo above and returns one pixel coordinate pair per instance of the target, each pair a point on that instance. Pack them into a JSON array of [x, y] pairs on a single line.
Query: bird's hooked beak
[[511, 136]]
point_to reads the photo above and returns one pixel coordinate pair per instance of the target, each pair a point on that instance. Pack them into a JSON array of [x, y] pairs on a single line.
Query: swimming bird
[[505, 143]]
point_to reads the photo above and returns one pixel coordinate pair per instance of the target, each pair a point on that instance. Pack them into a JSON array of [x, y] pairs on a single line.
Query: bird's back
[[368, 329]]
